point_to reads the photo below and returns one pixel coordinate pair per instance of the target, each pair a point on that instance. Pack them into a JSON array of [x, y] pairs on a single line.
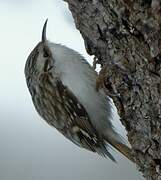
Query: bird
[[62, 85]]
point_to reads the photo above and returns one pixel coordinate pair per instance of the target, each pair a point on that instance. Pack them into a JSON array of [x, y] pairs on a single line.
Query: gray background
[[29, 148]]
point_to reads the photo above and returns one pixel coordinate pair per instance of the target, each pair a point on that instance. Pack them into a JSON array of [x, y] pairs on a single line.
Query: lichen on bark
[[125, 36]]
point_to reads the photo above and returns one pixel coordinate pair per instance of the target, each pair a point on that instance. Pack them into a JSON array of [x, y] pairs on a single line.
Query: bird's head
[[40, 59]]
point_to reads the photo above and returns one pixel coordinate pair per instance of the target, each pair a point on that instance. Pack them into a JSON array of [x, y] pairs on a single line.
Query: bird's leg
[[101, 78], [104, 82], [95, 61]]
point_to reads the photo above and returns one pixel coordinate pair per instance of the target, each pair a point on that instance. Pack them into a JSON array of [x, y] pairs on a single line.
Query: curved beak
[[44, 32]]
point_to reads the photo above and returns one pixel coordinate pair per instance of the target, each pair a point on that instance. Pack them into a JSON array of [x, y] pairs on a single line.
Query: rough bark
[[125, 36]]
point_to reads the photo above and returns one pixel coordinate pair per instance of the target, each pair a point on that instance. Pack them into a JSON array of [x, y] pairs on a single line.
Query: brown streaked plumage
[[63, 89]]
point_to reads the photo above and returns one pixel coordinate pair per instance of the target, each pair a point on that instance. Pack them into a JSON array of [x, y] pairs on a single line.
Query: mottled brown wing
[[76, 109], [80, 129]]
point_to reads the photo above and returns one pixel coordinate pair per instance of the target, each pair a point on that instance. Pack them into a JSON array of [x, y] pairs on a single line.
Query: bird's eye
[[46, 54]]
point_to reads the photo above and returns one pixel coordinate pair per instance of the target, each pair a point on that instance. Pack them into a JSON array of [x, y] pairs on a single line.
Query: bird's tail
[[122, 148], [117, 142]]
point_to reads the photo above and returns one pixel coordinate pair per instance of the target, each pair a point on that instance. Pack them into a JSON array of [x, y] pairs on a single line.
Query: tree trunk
[[125, 36]]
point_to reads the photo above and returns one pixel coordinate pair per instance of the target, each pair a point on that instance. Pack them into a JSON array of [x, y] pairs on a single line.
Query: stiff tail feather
[[122, 148]]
